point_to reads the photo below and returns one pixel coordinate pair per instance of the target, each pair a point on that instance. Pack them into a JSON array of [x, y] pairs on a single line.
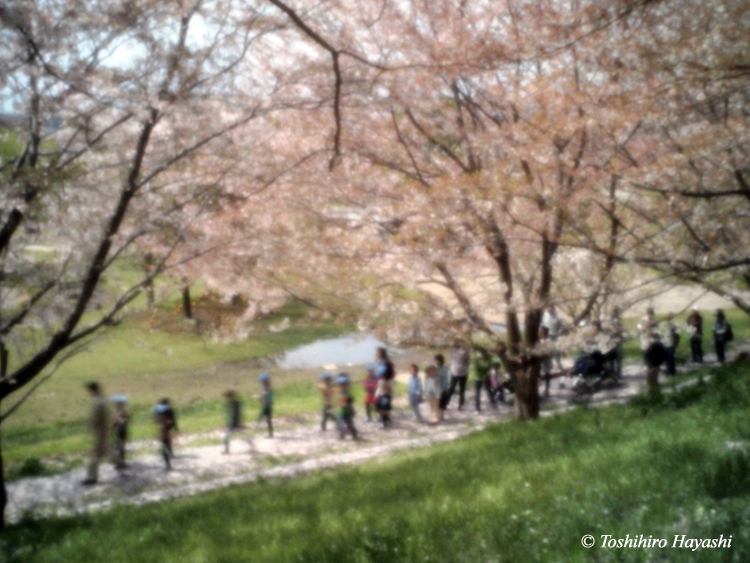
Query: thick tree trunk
[[186, 305], [150, 298], [526, 381], [3, 491]]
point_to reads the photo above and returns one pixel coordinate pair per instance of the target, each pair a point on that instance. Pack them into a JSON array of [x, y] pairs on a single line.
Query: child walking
[[266, 402], [326, 392], [432, 393], [383, 398], [370, 385], [233, 417], [345, 421], [167, 422], [414, 389], [120, 427]]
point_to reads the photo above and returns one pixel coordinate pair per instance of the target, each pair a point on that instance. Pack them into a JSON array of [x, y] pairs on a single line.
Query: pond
[[351, 349]]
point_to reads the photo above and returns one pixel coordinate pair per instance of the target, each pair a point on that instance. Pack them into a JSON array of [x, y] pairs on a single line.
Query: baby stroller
[[593, 372]]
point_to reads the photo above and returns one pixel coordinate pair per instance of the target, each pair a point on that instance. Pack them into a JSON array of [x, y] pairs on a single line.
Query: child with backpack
[[120, 427], [167, 422], [345, 421], [370, 385], [383, 398]]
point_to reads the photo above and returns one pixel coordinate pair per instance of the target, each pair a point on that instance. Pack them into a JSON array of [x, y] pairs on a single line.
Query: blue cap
[[264, 377], [325, 375], [160, 408], [119, 399], [342, 378]]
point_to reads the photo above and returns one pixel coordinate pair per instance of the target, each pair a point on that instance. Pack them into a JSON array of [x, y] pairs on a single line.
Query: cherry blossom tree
[[477, 151], [121, 137]]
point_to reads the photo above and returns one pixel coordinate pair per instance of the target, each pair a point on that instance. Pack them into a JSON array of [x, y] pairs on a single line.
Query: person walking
[[370, 385], [722, 332], [120, 427], [266, 402], [695, 330], [414, 390], [165, 420], [651, 347], [432, 393], [234, 418], [444, 382], [670, 338], [481, 368], [345, 419], [459, 355], [326, 389], [383, 400], [99, 424], [384, 367]]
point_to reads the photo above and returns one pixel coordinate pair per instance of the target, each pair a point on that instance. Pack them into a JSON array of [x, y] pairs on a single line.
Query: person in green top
[[233, 417], [345, 418], [266, 402], [481, 368]]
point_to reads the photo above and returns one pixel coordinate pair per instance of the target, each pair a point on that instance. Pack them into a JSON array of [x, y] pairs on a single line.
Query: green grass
[[661, 466]]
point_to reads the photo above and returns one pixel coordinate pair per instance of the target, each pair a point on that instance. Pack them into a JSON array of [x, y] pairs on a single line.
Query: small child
[[370, 384], [346, 408], [326, 393], [414, 389], [120, 427], [496, 381], [433, 392], [233, 417], [266, 402], [167, 422], [383, 398]]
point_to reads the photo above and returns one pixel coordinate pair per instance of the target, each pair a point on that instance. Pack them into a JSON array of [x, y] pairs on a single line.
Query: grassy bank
[[661, 466]]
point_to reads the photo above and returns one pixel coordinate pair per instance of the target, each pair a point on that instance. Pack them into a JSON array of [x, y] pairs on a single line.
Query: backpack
[[729, 335], [390, 370]]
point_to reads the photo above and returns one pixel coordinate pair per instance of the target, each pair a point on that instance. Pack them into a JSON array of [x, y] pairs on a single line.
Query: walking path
[[293, 450]]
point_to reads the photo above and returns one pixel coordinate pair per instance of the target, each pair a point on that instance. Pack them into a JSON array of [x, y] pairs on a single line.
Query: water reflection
[[352, 349]]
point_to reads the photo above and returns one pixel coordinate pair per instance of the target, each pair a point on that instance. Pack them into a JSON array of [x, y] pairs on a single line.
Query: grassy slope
[[515, 492]]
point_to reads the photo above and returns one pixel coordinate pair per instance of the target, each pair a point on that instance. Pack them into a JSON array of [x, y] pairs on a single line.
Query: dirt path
[[295, 449]]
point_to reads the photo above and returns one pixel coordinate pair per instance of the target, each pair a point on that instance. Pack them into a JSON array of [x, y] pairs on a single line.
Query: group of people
[[106, 426], [438, 386], [659, 339], [110, 430]]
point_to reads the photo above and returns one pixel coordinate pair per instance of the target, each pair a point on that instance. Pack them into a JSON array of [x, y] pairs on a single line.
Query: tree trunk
[[150, 295], [148, 268], [526, 382], [3, 491], [186, 305]]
